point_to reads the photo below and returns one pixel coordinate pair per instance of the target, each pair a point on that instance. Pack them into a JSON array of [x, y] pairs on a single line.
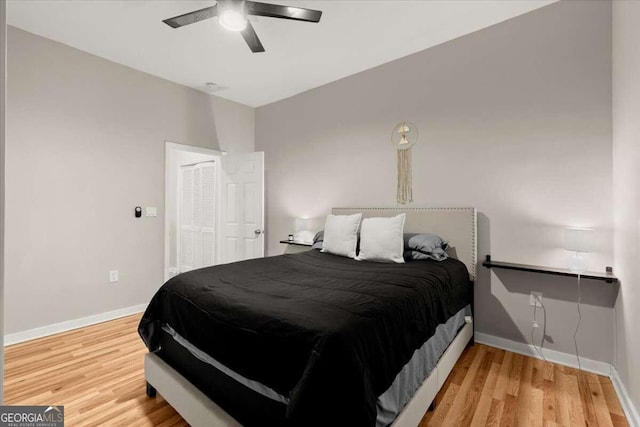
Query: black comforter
[[330, 333]]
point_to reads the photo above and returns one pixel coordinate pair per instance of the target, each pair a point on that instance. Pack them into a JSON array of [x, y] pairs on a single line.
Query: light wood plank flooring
[[492, 387], [97, 374]]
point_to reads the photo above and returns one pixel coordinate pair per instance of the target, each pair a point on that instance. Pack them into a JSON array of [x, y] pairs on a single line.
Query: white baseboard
[[601, 368], [57, 328], [628, 406]]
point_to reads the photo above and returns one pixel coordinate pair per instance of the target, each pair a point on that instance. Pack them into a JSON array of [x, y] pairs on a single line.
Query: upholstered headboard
[[455, 225]]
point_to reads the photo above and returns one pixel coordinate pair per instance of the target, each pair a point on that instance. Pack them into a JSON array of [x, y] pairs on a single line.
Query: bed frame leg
[[432, 407], [151, 390]]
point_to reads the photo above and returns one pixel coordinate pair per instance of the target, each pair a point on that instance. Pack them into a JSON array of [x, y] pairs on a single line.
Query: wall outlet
[[535, 299], [114, 276]]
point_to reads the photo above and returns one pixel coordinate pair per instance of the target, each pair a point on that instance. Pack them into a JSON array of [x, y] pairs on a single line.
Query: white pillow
[[381, 239], [341, 234]]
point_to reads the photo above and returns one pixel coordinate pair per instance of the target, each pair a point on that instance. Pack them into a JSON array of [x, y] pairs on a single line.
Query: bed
[[313, 338]]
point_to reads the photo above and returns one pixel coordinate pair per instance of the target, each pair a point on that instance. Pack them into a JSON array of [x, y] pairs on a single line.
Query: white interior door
[[197, 216], [242, 218]]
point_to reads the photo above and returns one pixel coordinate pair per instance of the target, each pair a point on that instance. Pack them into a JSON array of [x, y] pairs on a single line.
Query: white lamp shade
[[302, 224], [578, 239]]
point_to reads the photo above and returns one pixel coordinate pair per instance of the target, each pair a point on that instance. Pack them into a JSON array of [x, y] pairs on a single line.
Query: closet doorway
[[197, 215], [214, 206], [191, 188]]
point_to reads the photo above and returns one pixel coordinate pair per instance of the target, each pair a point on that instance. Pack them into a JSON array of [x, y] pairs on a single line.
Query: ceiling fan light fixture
[[232, 15]]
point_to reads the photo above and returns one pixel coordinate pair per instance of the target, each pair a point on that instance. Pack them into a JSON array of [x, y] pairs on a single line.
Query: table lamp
[[303, 231], [578, 241]]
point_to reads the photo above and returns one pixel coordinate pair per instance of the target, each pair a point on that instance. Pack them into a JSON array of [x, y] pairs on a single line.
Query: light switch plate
[[151, 211]]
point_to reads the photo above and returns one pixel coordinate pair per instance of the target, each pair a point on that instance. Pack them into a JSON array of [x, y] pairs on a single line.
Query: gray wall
[[3, 52], [626, 188], [85, 145], [514, 120]]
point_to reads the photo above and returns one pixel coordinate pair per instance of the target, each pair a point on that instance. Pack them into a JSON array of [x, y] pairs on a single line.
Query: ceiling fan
[[233, 15]]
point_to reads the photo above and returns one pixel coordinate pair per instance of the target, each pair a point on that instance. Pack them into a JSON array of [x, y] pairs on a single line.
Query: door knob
[[258, 232]]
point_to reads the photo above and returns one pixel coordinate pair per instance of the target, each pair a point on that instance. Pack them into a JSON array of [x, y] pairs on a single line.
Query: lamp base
[[304, 236], [577, 263]]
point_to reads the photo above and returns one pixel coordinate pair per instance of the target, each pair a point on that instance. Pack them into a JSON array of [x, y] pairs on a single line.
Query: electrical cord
[[575, 334], [539, 349]]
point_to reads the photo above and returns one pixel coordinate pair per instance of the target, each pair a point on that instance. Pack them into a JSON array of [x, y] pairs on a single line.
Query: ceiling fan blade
[[284, 12], [250, 36], [192, 17]]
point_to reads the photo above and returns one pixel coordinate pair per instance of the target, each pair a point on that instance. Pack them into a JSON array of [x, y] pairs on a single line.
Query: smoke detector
[[212, 87]]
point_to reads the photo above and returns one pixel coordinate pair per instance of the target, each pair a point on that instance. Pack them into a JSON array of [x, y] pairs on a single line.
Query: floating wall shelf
[[606, 276], [293, 242]]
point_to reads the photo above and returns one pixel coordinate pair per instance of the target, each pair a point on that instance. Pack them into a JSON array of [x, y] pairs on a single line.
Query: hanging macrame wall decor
[[404, 136]]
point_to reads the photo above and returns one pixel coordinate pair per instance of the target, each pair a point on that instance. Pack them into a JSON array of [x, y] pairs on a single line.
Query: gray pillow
[[317, 240], [425, 246]]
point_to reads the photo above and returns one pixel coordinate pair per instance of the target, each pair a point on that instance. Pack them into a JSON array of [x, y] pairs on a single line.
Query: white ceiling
[[351, 37]]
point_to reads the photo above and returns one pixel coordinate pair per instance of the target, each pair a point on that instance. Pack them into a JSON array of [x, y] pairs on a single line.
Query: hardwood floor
[[97, 374], [492, 387]]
